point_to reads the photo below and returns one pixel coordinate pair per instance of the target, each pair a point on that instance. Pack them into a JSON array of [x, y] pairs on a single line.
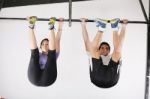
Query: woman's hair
[[104, 43], [45, 39]]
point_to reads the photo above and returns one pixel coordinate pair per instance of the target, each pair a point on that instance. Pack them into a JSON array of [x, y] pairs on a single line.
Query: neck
[[104, 55], [44, 52]]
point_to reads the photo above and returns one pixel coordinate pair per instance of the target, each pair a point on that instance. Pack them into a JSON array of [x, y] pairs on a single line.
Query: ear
[[97, 50]]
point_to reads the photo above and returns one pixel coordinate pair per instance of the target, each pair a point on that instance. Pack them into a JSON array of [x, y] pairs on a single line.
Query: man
[[104, 67]]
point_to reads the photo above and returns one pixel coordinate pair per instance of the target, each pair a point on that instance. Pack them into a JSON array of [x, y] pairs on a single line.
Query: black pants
[[46, 76], [104, 76]]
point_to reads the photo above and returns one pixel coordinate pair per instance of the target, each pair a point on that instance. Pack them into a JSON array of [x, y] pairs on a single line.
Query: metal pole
[[70, 12], [143, 10], [148, 60], [72, 20]]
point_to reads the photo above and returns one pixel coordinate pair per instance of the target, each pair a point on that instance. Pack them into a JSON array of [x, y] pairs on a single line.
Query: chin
[[44, 50], [105, 54]]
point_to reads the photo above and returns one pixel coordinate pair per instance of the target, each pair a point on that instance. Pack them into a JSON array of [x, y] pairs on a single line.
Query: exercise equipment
[[70, 20]]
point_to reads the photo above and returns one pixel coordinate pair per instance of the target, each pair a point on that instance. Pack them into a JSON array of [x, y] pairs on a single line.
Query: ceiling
[[13, 3]]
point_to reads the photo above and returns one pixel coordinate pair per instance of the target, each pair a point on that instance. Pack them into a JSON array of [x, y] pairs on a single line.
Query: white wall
[[73, 80]]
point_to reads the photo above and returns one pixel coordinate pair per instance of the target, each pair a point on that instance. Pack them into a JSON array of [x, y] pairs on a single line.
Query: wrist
[[83, 25], [60, 29], [31, 26], [124, 25]]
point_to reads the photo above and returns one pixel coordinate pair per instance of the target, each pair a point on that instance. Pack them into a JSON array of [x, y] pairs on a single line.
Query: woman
[[42, 69]]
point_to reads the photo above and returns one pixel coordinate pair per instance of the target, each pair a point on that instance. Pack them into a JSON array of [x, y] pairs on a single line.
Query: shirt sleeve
[[57, 55]]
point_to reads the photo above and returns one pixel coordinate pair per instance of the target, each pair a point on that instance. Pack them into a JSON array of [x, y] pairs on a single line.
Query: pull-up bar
[[68, 20]]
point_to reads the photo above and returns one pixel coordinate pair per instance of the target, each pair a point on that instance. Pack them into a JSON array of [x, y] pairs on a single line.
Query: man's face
[[104, 50]]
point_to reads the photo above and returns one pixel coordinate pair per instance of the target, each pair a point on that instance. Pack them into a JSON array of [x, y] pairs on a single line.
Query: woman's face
[[45, 46]]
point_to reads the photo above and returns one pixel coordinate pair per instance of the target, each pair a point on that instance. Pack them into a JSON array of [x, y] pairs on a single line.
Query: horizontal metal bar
[[73, 20]]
